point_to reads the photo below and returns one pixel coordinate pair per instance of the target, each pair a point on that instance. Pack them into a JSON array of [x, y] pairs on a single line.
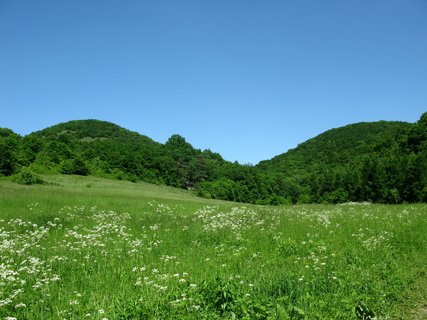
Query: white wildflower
[[20, 305]]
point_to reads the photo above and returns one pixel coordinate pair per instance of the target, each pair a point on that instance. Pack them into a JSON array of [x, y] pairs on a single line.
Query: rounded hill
[[88, 130], [337, 146]]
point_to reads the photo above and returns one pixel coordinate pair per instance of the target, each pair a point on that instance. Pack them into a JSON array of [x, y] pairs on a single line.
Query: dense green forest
[[381, 161]]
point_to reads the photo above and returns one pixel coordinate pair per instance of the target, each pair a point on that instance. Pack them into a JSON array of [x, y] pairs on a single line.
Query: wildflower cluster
[[211, 262]]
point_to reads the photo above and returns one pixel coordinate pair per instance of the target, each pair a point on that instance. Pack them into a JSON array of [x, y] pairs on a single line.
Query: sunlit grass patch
[[74, 257]]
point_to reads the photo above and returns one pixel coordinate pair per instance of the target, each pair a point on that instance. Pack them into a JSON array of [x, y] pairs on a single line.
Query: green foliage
[[287, 248], [336, 147], [219, 295], [226, 299], [27, 177], [74, 166], [383, 162], [28, 149], [9, 142], [119, 250]]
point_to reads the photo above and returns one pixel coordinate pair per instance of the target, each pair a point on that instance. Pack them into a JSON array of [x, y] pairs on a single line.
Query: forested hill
[[379, 162], [337, 146], [103, 148], [86, 130]]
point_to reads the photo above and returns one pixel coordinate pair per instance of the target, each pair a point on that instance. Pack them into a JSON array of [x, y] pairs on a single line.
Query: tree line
[[389, 167]]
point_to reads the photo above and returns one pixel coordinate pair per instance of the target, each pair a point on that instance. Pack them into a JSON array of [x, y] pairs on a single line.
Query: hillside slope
[[337, 146], [378, 162], [107, 148], [86, 129]]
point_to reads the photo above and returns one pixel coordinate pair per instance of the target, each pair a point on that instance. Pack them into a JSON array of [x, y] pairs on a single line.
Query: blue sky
[[248, 79]]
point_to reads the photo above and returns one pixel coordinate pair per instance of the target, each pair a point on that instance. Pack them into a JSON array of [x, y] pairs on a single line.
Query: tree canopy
[[380, 162]]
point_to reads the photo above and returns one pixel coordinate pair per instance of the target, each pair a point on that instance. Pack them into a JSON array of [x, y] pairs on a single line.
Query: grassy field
[[91, 248]]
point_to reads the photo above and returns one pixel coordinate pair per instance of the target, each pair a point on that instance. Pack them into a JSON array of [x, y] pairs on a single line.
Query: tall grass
[[98, 249]]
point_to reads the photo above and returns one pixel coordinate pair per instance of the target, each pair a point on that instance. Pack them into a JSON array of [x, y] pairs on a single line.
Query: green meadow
[[92, 248]]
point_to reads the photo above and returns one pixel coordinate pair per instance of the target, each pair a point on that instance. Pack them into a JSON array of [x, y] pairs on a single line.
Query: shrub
[[228, 300], [74, 166], [27, 177]]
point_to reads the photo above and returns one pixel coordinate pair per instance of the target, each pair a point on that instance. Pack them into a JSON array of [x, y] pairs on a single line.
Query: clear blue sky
[[246, 78]]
